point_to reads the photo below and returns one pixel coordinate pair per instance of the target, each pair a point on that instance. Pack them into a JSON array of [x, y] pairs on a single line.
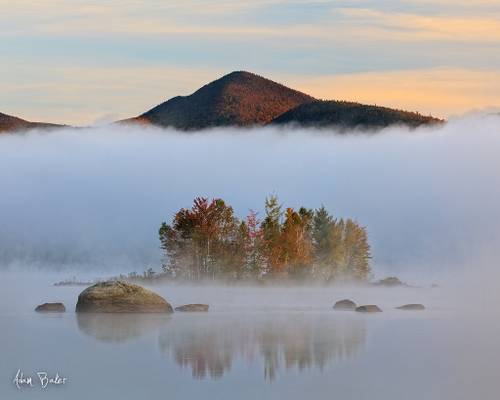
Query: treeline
[[208, 241]]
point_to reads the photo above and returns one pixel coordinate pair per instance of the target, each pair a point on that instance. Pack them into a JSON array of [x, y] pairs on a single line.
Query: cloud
[[94, 198], [414, 27], [244, 19]]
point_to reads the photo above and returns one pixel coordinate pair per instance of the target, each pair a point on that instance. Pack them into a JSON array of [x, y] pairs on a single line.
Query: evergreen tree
[[271, 228]]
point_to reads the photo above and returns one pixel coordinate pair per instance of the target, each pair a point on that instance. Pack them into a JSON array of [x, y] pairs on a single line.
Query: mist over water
[[89, 202], [256, 342], [93, 199]]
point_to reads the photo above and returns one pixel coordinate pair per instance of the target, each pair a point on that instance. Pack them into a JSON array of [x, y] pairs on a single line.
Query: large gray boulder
[[345, 305], [51, 307], [193, 308], [369, 308], [120, 297], [412, 307]]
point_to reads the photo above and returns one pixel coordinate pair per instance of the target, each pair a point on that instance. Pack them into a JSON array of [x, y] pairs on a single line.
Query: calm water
[[266, 343]]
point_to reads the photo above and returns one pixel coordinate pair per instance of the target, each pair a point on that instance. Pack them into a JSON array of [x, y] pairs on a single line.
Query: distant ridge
[[8, 123], [344, 114], [237, 99], [242, 99]]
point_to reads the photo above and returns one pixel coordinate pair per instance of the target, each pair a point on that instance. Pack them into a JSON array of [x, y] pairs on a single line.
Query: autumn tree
[[253, 247], [208, 241], [201, 240], [296, 244]]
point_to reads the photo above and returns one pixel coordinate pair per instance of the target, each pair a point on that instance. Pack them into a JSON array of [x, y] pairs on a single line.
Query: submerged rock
[[121, 297], [192, 308], [368, 308], [411, 307], [344, 305], [51, 307]]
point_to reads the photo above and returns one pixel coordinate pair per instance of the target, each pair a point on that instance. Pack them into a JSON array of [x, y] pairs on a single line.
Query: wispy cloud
[[425, 27], [193, 17]]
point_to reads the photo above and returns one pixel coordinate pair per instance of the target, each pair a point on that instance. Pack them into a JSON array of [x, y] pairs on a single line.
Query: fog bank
[[93, 199]]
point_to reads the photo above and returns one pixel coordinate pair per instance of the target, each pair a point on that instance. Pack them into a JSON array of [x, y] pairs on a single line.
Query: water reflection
[[119, 327], [208, 344]]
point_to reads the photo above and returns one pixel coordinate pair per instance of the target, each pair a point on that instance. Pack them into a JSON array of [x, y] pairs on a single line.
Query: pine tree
[[271, 227]]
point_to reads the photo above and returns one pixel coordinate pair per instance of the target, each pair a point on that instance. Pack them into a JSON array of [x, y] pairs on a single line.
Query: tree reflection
[[208, 344]]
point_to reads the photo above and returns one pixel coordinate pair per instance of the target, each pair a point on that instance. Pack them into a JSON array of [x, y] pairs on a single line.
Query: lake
[[254, 343]]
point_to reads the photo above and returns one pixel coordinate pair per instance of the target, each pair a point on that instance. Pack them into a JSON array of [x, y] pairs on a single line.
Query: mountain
[[237, 99], [343, 114], [244, 99], [8, 123]]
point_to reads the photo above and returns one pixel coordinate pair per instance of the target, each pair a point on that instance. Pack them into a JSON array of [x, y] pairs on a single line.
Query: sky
[[85, 62]]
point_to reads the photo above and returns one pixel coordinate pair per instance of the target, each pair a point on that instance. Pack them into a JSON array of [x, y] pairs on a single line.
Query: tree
[[271, 228], [357, 251], [296, 241], [254, 263], [322, 223], [200, 238], [208, 241]]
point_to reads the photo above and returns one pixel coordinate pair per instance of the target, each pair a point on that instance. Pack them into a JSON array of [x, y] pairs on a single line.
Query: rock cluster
[[349, 305]]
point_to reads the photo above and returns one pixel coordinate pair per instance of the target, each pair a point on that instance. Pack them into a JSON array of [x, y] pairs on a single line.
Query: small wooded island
[[207, 241]]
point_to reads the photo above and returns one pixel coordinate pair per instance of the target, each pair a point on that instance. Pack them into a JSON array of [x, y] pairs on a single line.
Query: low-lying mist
[[93, 199]]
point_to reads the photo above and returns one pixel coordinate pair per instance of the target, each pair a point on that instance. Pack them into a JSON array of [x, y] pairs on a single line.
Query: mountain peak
[[241, 74], [239, 98]]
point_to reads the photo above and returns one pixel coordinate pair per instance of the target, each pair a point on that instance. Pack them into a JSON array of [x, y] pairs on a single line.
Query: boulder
[[368, 308], [193, 308], [51, 307], [412, 307], [345, 305], [390, 281], [120, 297]]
